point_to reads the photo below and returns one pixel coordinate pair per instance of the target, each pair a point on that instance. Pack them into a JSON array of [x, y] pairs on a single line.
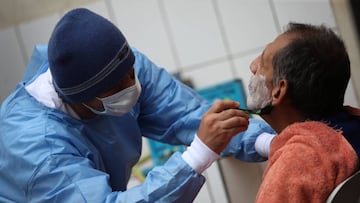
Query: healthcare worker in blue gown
[[72, 129]]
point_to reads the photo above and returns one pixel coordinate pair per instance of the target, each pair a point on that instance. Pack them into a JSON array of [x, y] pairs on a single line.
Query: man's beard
[[259, 94]]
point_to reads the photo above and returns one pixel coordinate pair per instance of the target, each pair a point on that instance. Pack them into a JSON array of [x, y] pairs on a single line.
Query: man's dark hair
[[317, 68]]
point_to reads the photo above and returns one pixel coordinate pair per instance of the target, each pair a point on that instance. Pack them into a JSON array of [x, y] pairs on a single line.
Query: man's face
[[261, 83]]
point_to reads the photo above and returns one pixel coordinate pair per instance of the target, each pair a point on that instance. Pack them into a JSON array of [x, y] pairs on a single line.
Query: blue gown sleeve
[[67, 178], [242, 146], [170, 111], [173, 182]]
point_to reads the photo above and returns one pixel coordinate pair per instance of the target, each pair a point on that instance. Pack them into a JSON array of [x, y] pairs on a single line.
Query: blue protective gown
[[49, 156]]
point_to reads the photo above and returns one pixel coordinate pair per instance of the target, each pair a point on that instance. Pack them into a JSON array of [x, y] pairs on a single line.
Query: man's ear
[[279, 92]]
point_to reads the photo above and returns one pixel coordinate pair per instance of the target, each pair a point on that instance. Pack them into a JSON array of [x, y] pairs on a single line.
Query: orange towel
[[306, 162]]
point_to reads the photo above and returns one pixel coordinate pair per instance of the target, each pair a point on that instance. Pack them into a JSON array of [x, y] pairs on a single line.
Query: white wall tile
[[37, 32], [209, 75], [242, 179], [214, 184], [350, 98], [100, 8], [305, 11], [195, 29], [12, 63], [204, 195], [141, 22], [247, 24]]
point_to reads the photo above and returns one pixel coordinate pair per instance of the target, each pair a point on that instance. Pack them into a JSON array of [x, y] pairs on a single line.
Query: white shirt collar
[[42, 90]]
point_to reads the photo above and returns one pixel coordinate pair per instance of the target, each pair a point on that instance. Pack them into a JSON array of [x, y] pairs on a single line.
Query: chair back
[[348, 191]]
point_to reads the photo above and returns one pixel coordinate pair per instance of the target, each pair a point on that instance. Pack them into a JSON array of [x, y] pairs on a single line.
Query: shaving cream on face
[[259, 93]]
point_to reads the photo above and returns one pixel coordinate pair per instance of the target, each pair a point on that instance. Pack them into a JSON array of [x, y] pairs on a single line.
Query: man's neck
[[281, 117]]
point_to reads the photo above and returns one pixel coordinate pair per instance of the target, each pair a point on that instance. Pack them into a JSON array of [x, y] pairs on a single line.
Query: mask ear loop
[[94, 110]]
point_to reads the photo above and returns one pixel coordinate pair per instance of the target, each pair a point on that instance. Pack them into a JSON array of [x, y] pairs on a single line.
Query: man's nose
[[254, 67]]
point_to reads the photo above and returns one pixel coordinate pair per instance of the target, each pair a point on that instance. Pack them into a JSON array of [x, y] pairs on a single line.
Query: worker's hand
[[220, 123]]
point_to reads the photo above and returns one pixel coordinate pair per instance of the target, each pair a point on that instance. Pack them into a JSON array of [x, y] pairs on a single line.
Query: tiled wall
[[207, 41]]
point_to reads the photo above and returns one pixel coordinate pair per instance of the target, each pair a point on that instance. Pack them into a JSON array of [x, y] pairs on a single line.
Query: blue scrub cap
[[87, 55]]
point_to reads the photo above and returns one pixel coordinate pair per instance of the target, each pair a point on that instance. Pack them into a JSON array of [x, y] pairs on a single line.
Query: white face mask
[[120, 103], [259, 94]]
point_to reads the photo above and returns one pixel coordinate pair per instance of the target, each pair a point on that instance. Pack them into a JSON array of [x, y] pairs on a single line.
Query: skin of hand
[[220, 123]]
